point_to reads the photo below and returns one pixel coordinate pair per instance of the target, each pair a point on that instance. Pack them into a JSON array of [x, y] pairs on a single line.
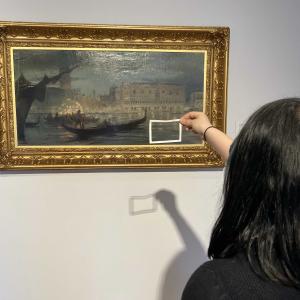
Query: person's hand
[[195, 121]]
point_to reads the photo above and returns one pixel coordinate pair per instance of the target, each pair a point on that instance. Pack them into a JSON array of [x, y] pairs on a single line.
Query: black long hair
[[260, 216]]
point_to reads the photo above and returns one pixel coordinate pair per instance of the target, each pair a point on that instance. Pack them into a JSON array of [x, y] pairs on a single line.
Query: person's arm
[[198, 122]]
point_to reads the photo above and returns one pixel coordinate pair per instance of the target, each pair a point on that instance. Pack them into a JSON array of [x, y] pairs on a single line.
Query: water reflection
[[53, 133]]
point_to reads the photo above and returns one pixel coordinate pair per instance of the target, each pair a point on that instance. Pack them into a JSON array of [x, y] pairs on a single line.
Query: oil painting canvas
[[101, 97]]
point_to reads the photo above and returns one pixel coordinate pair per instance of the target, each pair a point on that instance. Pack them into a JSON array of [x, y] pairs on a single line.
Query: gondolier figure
[[79, 119]]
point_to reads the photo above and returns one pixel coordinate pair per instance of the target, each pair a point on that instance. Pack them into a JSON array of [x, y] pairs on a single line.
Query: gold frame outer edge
[[213, 40]]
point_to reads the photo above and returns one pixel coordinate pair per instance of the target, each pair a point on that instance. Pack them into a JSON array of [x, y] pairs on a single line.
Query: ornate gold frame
[[213, 40]]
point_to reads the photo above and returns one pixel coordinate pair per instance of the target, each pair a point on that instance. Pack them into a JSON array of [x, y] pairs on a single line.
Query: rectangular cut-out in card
[[159, 129]]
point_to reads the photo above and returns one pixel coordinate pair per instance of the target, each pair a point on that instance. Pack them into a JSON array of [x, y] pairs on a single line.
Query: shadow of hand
[[167, 199]]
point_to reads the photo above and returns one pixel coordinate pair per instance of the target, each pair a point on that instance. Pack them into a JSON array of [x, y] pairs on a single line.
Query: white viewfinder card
[[151, 141]]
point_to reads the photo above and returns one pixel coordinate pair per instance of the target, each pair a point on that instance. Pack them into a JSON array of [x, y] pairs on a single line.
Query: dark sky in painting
[[99, 70]]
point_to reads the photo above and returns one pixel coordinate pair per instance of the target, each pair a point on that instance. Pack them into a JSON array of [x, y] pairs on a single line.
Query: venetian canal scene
[[95, 97]]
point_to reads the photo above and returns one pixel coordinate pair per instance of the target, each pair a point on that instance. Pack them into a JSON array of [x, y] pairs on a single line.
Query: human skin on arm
[[198, 122]]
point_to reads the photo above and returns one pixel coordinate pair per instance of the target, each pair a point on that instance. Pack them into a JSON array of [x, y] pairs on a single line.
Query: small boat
[[32, 124], [105, 128]]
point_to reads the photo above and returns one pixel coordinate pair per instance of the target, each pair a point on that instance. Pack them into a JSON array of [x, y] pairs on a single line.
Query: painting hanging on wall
[[82, 96]]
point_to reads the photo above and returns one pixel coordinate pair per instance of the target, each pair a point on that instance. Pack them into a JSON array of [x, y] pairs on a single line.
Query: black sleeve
[[204, 284]]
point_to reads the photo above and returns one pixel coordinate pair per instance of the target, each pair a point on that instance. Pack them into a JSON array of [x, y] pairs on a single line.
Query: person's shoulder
[[220, 264], [205, 283], [221, 278], [233, 278]]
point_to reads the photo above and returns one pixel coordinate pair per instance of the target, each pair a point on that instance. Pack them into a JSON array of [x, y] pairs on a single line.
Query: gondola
[[105, 128], [32, 124]]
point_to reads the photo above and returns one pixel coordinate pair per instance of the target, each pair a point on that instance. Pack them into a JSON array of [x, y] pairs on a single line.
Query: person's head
[[261, 210]]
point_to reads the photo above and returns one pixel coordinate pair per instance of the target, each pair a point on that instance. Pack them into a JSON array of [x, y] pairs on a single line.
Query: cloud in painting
[[99, 70]]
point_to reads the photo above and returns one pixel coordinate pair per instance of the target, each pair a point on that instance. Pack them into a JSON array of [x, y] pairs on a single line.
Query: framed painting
[[84, 96]]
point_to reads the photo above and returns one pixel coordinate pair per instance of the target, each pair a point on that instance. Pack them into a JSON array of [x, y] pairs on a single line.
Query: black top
[[233, 278]]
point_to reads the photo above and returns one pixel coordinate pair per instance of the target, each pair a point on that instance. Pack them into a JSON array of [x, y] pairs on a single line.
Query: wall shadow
[[187, 260]]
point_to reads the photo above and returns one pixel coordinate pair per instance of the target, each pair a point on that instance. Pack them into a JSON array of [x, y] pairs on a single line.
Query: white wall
[[69, 235]]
